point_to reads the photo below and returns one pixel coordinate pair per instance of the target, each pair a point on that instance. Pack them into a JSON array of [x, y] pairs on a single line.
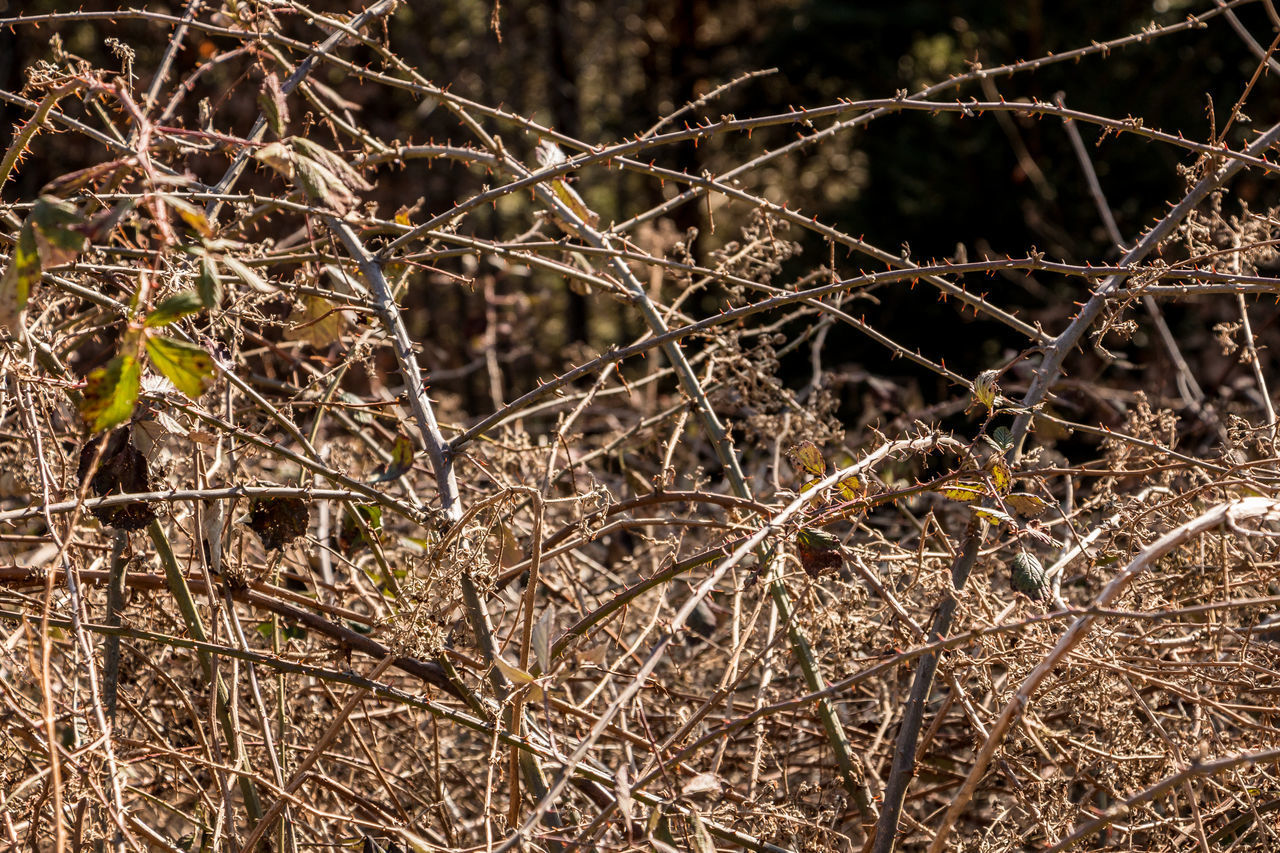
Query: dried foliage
[[276, 575]]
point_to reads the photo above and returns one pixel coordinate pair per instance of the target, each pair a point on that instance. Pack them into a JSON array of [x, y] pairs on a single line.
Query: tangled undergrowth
[[276, 574]]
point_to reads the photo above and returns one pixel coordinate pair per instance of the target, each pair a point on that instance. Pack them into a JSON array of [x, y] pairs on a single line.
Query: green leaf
[[19, 277], [110, 393], [272, 101], [401, 460], [322, 185], [207, 283], [174, 308], [57, 231], [288, 632], [1027, 575], [351, 535], [186, 365]]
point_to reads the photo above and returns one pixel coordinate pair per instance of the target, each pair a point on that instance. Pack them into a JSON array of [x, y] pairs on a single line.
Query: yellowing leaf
[[1024, 503], [319, 323], [1001, 476], [187, 366], [519, 678], [808, 458], [963, 492], [852, 488], [19, 277], [994, 516], [985, 389], [110, 393], [190, 214]]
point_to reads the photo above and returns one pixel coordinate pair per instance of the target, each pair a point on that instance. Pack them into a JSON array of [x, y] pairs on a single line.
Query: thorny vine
[[272, 580]]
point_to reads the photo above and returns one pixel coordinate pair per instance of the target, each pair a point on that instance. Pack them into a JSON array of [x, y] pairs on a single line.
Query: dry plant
[[271, 581]]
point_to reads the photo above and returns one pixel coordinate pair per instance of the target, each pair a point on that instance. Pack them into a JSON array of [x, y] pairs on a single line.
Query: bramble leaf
[[57, 233], [319, 323], [19, 277], [1027, 575], [964, 492], [994, 516], [985, 389], [174, 308], [852, 488], [818, 551], [110, 393], [1001, 475], [1024, 503], [352, 536], [274, 106], [246, 274], [207, 283], [401, 460], [190, 214], [519, 677], [187, 366], [808, 458]]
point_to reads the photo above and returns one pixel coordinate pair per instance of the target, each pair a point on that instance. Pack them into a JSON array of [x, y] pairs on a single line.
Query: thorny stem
[[1046, 375]]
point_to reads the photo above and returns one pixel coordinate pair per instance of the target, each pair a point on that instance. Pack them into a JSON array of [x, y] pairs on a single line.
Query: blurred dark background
[[603, 71]]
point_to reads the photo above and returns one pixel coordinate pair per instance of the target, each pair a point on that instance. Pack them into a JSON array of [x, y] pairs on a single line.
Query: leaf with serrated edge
[[187, 366], [1001, 475], [851, 488], [273, 104], [110, 393], [808, 458]]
